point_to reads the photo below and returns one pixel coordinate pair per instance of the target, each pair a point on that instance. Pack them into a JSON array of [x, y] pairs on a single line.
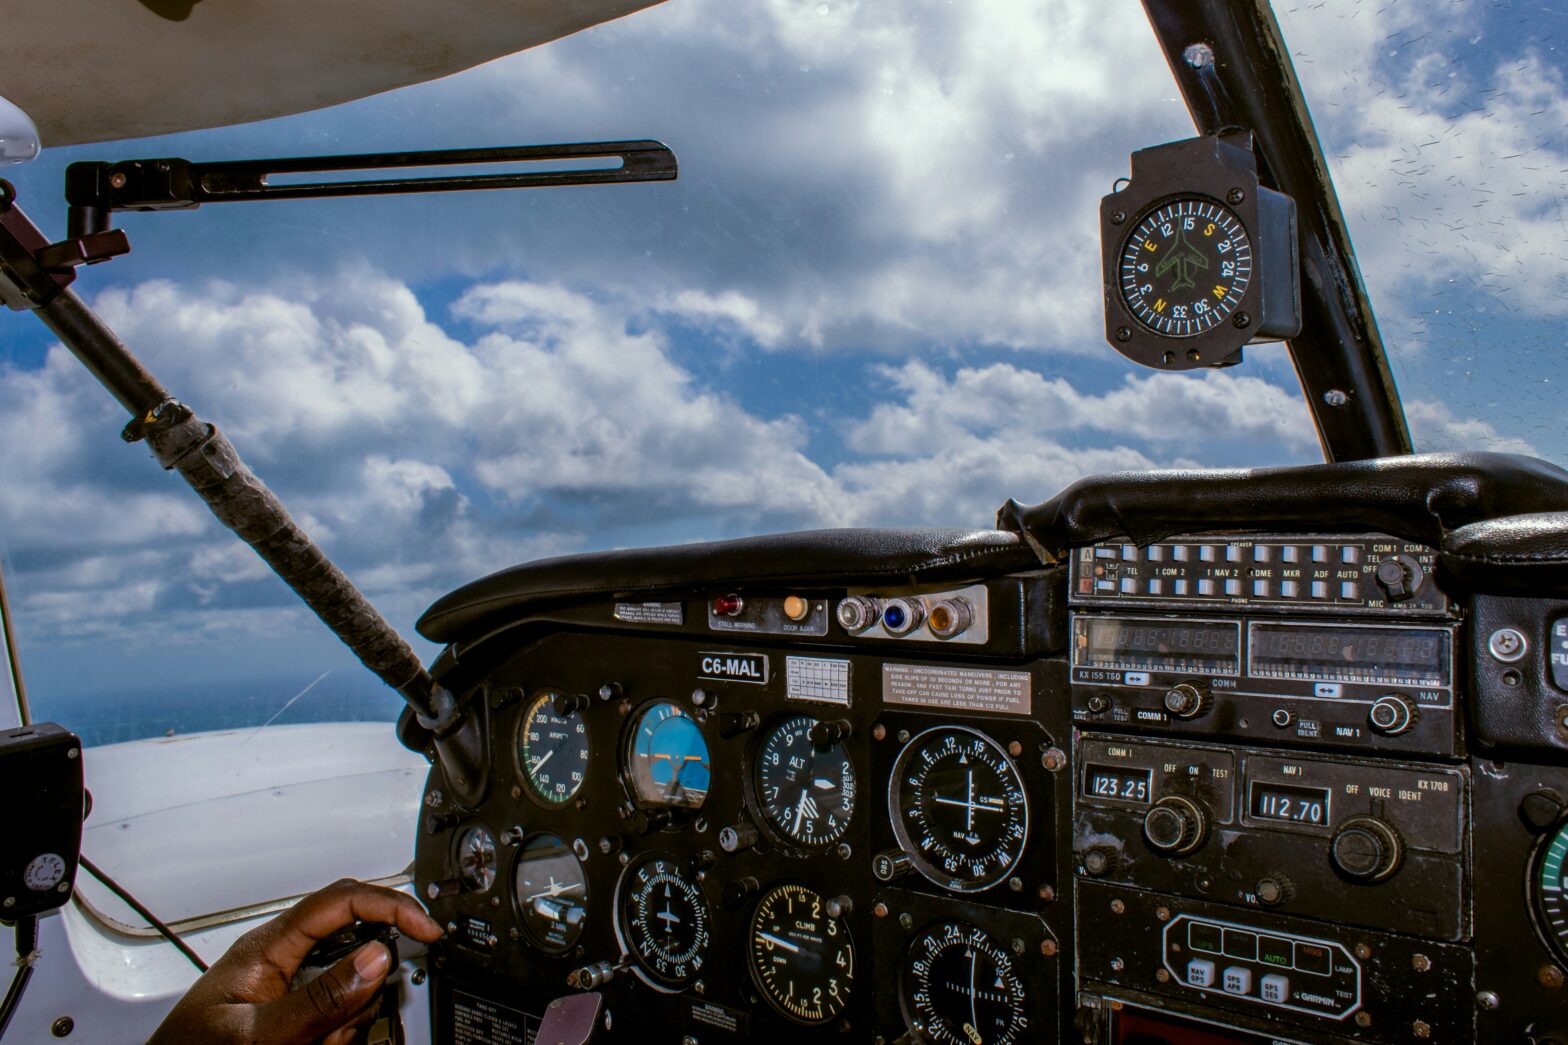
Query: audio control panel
[[1347, 574]]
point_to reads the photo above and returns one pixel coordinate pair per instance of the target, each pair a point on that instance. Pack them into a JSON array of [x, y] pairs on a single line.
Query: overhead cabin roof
[[98, 70]]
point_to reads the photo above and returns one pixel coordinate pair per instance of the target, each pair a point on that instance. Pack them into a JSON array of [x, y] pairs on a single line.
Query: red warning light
[[728, 605]]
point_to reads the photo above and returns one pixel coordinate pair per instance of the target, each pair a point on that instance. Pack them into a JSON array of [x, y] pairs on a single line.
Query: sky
[[872, 298]]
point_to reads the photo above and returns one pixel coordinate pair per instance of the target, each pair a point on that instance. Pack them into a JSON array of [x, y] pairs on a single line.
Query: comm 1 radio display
[[1396, 656], [1127, 644]]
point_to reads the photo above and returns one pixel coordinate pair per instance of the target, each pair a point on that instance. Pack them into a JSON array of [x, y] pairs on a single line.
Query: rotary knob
[[1174, 825], [1274, 889], [1365, 849], [1187, 699], [894, 863], [1101, 862], [1392, 714]]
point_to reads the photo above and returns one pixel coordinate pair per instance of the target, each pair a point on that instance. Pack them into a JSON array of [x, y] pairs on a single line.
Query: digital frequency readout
[[1128, 785], [1211, 648], [1410, 656], [1296, 805]]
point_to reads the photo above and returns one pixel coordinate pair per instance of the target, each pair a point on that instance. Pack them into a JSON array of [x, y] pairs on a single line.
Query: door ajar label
[[733, 667]]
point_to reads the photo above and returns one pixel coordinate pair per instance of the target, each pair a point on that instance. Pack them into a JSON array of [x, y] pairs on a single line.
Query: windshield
[[872, 298]]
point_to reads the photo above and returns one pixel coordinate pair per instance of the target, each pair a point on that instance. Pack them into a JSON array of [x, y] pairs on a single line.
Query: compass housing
[[1179, 190]]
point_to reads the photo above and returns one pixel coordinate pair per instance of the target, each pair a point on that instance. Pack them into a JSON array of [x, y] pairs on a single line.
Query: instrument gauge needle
[[779, 941]]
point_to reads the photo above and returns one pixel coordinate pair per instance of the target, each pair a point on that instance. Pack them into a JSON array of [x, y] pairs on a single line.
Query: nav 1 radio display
[[1287, 802], [1394, 656], [1199, 647]]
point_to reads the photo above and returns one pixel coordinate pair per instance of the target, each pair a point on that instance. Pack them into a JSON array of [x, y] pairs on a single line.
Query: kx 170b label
[[733, 667]]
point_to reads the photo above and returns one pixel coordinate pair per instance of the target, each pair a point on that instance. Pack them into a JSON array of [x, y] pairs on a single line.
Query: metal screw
[[1363, 1018], [1562, 719], [906, 920], [1016, 884], [1014, 748], [434, 798], [1487, 1000], [1235, 196], [879, 732], [1047, 894], [10, 901], [1117, 907], [1506, 645], [1123, 334], [1118, 216], [1335, 397], [495, 901], [451, 927], [1048, 948], [517, 792], [903, 736], [844, 851], [1550, 977], [1199, 56], [1117, 965], [419, 977], [1053, 760], [1168, 358], [1420, 1029], [514, 933], [117, 180], [1363, 951], [1241, 321], [700, 987], [879, 910], [699, 697], [1194, 355], [1162, 976], [72, 752], [1162, 913], [62, 1027], [1421, 963], [1019, 946]]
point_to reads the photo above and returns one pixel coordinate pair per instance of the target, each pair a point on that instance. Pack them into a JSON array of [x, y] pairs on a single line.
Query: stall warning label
[[957, 689], [479, 1022]]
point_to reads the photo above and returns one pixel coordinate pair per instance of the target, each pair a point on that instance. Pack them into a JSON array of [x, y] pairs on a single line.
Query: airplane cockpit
[[1202, 686]]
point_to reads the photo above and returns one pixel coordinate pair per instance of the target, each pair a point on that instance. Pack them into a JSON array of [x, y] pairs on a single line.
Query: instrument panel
[[1103, 821]]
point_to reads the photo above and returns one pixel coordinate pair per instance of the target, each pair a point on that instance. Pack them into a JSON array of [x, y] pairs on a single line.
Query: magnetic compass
[[958, 808], [663, 920], [959, 986], [1199, 259], [805, 790]]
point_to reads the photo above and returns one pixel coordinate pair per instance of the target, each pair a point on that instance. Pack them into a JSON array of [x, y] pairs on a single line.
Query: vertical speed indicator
[[958, 808], [1185, 266]]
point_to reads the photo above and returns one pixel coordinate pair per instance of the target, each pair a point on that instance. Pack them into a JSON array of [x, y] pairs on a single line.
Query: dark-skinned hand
[[244, 999]]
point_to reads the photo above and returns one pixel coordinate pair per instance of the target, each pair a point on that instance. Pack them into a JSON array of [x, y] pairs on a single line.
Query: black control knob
[[739, 891], [734, 838], [1366, 849], [1187, 699], [568, 703], [828, 733], [894, 863], [647, 821], [1174, 825], [1399, 578], [733, 723], [1274, 889], [1101, 861], [1392, 714], [442, 889]]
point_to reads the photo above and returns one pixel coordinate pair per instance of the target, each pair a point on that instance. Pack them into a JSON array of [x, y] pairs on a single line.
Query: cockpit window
[[1446, 129], [872, 298]]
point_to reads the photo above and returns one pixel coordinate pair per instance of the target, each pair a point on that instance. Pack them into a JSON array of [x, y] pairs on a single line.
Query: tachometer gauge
[[551, 893], [1549, 891], [552, 750], [476, 862], [958, 808], [663, 920], [1185, 266], [806, 793], [667, 757], [959, 987], [801, 957]]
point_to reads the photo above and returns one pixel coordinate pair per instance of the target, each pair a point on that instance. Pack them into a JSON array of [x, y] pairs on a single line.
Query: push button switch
[[1200, 972], [1237, 980], [1275, 988]]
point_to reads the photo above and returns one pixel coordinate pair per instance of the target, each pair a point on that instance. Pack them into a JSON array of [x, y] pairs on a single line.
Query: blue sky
[[871, 299]]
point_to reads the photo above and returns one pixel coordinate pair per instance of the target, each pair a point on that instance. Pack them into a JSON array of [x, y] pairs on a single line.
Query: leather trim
[[1419, 497], [1523, 554], [813, 558]]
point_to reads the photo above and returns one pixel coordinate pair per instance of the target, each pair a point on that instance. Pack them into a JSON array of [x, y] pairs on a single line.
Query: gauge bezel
[[1135, 226], [628, 745], [543, 695], [967, 932], [640, 963], [1556, 945], [517, 905], [932, 873], [751, 785], [458, 836], [757, 980]]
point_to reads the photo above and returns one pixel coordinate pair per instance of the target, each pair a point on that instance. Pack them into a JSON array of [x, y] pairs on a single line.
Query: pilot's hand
[[245, 998]]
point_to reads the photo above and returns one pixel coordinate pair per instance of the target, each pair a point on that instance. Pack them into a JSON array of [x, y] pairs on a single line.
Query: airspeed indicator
[[1185, 266]]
